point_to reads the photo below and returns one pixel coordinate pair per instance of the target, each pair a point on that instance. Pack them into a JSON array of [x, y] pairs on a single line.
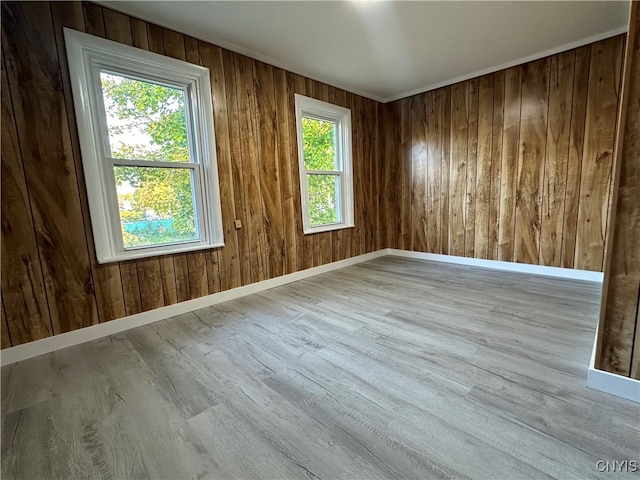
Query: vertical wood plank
[[383, 130], [510, 142], [198, 276], [117, 27], [229, 266], [139, 37], [472, 159], [419, 159], [173, 44], [43, 130], [269, 172], [620, 345], [214, 282], [368, 135], [404, 209], [23, 290], [557, 157], [360, 175], [181, 266], [595, 182], [168, 279], [229, 61], [258, 261], [290, 224], [445, 183], [191, 50], [149, 276], [458, 179], [576, 145], [496, 165], [388, 185], [154, 35], [531, 158], [371, 115], [483, 177], [93, 18], [434, 173], [131, 287]]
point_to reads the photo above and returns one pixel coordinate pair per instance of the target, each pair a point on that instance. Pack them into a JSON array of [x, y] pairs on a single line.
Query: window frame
[[89, 55], [307, 107]]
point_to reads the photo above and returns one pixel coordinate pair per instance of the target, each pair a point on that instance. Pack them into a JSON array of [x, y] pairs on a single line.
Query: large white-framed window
[[145, 123], [324, 154]]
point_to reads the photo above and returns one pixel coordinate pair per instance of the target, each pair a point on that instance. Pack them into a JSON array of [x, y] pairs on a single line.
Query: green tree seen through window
[[147, 122], [320, 155]]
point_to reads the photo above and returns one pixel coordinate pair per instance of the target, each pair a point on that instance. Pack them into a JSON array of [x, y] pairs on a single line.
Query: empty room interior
[[323, 240]]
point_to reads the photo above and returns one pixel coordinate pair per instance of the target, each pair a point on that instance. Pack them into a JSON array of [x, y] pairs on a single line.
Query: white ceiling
[[388, 50]]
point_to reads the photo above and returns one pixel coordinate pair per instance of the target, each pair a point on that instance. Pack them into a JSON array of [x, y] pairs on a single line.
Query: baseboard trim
[[50, 344], [612, 383], [507, 266]]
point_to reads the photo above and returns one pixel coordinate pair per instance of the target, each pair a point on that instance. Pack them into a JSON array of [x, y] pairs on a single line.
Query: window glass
[[156, 205], [319, 144], [145, 121], [323, 191]]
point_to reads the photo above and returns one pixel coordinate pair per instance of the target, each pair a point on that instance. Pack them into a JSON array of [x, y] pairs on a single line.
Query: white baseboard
[[612, 383], [508, 266], [76, 337]]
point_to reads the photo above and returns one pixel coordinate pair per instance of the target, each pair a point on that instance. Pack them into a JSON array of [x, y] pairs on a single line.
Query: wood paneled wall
[[51, 282], [513, 166], [619, 345]]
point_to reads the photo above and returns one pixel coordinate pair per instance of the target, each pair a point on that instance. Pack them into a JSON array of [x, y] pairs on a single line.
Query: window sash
[[197, 188], [340, 192], [189, 108]]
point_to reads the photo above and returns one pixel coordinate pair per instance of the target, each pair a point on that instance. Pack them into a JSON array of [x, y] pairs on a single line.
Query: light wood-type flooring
[[393, 368]]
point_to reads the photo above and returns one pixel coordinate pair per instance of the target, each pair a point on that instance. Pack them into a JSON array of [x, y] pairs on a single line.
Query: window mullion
[[125, 162], [323, 172]]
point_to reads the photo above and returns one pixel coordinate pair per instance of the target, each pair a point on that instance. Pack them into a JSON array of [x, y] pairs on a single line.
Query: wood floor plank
[[392, 368]]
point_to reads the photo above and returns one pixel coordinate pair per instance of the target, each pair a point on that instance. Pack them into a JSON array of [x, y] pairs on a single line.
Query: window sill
[[169, 250], [327, 228]]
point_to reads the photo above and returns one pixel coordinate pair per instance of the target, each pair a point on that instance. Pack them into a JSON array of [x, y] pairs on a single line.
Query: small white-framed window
[[324, 154], [145, 123]]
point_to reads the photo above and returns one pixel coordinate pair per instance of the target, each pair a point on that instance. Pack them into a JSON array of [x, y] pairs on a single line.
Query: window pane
[[324, 198], [146, 121], [156, 205], [319, 144]]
